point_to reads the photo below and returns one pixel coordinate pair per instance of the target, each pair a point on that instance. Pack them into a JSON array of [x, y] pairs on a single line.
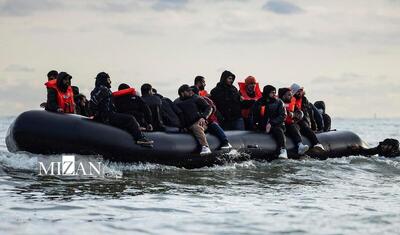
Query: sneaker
[[283, 154], [205, 150], [302, 148], [226, 146], [144, 141], [319, 147]]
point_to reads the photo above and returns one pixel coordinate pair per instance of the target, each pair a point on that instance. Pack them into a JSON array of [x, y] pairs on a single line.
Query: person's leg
[[294, 133], [127, 123], [216, 130], [307, 132], [279, 136], [199, 134]]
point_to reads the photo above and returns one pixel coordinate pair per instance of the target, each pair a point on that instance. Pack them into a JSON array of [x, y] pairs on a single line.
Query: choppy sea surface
[[352, 195]]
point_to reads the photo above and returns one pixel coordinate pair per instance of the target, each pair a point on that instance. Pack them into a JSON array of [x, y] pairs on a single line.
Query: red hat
[[250, 80]]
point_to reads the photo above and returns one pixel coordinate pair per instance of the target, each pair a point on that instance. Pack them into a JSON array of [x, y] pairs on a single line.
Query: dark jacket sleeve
[[281, 115], [51, 100], [204, 108], [145, 109], [318, 118]]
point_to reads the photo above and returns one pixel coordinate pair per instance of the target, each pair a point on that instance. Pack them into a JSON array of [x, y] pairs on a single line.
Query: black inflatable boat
[[43, 132]]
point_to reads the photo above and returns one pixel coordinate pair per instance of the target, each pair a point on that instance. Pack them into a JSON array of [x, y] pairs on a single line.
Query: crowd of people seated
[[286, 112]]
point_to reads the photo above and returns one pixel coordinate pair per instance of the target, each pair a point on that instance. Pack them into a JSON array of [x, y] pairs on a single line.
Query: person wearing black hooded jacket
[[227, 99], [269, 115], [154, 102], [102, 106]]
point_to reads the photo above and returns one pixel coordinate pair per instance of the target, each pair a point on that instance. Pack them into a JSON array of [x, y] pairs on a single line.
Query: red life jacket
[[297, 102], [128, 91], [243, 92], [289, 108], [65, 100], [203, 93]]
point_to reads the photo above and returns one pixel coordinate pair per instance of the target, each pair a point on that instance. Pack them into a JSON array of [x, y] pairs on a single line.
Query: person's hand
[[149, 127], [268, 128], [202, 122]]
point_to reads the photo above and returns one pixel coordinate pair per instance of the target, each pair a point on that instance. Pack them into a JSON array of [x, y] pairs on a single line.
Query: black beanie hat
[[183, 88], [267, 89], [123, 86], [282, 91]]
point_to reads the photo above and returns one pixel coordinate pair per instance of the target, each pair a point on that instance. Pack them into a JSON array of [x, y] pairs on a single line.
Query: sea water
[[350, 195]]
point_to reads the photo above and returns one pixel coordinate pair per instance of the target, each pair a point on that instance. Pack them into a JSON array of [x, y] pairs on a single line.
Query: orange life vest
[[290, 108], [203, 93], [297, 102], [65, 100], [127, 91], [243, 92]]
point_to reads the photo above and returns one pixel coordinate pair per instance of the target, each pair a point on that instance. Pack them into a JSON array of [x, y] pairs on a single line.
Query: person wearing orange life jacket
[[200, 83], [250, 92], [301, 103], [292, 128], [126, 101], [269, 115], [60, 97], [52, 74]]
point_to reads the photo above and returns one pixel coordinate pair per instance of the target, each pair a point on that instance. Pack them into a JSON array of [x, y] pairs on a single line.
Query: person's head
[[63, 81], [146, 89], [269, 92], [75, 90], [285, 94], [52, 75], [227, 78], [320, 105], [103, 79], [195, 90], [297, 90], [200, 82], [184, 91], [123, 86], [250, 83]]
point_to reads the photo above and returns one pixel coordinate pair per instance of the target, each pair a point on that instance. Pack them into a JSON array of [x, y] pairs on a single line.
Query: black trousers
[[293, 131], [278, 134], [307, 132], [125, 122]]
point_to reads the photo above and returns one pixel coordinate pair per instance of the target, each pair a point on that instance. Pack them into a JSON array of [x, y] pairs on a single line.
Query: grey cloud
[[24, 7], [115, 6], [162, 5], [282, 7], [19, 68]]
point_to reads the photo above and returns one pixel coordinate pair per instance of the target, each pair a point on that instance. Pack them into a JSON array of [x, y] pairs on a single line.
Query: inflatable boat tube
[[44, 132]]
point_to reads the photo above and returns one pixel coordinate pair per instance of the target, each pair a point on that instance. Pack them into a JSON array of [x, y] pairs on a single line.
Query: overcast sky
[[344, 52]]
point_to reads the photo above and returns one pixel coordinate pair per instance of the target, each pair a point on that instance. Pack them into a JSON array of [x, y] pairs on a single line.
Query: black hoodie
[[101, 102], [275, 112], [227, 98]]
